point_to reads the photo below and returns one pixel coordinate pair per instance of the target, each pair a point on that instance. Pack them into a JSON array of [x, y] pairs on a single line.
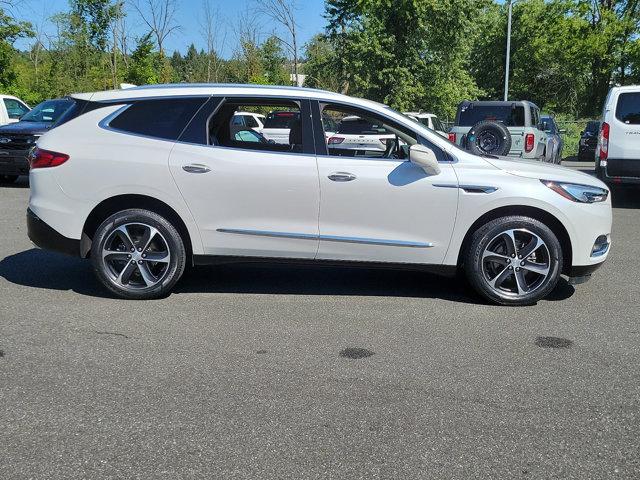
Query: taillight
[[335, 140], [40, 158], [529, 140], [603, 141], [452, 137]]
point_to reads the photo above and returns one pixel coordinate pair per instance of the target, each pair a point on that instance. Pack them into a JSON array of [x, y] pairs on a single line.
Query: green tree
[[10, 31], [407, 53], [142, 65]]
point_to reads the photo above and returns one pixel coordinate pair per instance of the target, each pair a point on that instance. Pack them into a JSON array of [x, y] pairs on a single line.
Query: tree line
[[411, 54]]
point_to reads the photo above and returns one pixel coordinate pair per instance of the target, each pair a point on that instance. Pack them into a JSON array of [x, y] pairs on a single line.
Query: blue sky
[[310, 19]]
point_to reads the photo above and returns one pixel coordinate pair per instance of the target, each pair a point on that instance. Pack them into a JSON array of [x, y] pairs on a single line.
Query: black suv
[[17, 139], [589, 142]]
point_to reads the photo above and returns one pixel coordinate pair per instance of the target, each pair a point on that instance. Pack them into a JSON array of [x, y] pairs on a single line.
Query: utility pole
[[507, 66]]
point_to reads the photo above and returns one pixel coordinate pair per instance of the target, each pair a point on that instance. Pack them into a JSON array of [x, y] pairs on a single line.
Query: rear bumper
[[619, 171], [45, 237], [14, 163]]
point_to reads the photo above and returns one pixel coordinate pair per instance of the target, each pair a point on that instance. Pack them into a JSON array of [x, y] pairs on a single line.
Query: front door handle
[[196, 168], [342, 177]]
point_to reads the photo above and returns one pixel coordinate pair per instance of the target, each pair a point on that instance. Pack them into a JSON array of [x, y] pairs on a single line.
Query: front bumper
[[45, 237], [582, 274], [14, 162]]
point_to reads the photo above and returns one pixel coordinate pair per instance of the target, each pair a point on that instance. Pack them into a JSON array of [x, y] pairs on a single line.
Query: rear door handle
[[196, 168], [342, 177]]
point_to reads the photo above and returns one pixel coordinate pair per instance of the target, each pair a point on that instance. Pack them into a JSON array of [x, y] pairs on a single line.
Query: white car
[[363, 134], [11, 109], [618, 150], [429, 120], [254, 121], [148, 180]]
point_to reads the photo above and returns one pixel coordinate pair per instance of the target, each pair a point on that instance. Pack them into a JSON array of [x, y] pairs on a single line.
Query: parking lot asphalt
[[273, 372]]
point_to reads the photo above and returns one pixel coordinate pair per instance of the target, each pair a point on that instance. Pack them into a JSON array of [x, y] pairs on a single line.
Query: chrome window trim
[[327, 238]]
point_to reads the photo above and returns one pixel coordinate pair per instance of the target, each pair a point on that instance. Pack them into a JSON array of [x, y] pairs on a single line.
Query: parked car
[[429, 120], [277, 125], [255, 121], [588, 142], [17, 139], [11, 109], [555, 142], [618, 150], [500, 128], [363, 134], [148, 180]]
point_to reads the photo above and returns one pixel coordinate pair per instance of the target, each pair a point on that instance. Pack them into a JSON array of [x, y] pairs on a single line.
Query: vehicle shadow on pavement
[[22, 182], [41, 269], [626, 197], [311, 280]]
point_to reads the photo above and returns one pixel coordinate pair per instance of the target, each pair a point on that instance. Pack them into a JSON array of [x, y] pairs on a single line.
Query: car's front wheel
[[514, 260], [138, 254]]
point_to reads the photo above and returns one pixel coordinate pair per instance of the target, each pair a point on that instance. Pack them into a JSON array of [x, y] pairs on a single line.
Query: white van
[[618, 151], [11, 109]]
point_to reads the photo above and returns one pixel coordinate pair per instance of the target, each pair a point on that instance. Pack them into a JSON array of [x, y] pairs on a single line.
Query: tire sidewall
[[171, 236], [484, 235]]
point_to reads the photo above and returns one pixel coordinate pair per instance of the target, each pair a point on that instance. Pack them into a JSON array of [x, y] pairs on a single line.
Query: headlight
[[578, 193]]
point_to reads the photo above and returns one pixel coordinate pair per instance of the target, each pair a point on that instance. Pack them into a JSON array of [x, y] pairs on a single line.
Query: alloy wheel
[[136, 256], [516, 262]]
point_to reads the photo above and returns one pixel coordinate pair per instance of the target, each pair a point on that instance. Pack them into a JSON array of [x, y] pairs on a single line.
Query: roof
[[191, 89], [497, 103]]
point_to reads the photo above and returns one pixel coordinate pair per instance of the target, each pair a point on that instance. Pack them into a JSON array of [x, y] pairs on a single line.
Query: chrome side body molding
[[328, 238]]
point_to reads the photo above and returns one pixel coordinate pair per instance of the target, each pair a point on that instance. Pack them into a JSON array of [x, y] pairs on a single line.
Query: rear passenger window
[[284, 128], [628, 108], [164, 118]]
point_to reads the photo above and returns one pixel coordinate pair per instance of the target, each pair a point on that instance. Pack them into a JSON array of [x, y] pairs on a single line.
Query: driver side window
[[354, 132]]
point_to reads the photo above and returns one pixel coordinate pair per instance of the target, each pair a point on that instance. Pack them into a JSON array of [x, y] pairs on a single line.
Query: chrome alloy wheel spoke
[[136, 256], [516, 262]]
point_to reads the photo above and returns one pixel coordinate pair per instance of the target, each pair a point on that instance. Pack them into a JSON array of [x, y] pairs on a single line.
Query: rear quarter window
[[162, 118], [628, 108]]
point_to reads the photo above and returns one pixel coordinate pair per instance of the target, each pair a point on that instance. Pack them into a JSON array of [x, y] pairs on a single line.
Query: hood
[[29, 128], [543, 171]]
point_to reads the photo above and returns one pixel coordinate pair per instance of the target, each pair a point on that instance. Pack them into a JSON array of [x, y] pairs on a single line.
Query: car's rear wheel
[[514, 260], [8, 178], [138, 254]]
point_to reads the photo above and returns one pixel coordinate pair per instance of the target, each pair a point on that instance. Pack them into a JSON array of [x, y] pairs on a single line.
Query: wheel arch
[[115, 204], [543, 216]]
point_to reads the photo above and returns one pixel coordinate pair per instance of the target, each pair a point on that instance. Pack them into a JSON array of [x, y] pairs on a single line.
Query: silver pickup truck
[[510, 128]]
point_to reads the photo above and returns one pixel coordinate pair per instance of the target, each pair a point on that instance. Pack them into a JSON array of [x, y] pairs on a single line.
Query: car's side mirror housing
[[425, 158]]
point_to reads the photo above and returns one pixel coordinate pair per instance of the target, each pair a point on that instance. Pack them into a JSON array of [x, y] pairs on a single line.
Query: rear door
[[250, 198]]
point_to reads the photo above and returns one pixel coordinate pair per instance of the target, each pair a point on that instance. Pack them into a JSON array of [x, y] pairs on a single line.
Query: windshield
[[48, 111], [511, 116]]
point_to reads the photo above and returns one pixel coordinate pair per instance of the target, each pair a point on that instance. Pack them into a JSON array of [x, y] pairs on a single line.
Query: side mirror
[[424, 158]]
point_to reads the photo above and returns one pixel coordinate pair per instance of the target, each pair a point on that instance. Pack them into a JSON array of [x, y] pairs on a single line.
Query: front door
[[250, 196], [376, 205]]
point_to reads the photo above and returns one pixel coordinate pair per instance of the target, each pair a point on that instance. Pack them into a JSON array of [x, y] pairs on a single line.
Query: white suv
[[618, 151], [146, 180]]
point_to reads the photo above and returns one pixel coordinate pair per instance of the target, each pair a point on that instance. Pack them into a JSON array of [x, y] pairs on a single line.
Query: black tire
[[166, 241], [478, 269], [489, 138], [8, 178]]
